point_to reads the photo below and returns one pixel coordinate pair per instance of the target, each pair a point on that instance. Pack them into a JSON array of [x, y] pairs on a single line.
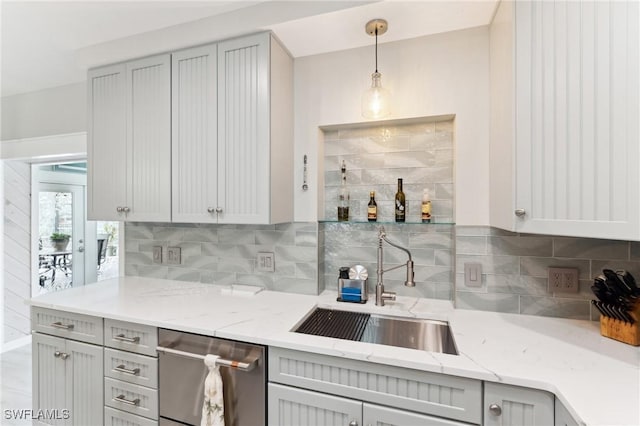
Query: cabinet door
[[49, 375], [506, 405], [84, 375], [289, 406], [194, 135], [243, 130], [148, 101], [106, 143], [375, 415], [576, 118]]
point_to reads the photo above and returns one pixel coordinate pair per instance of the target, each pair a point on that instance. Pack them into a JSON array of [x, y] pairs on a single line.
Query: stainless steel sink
[[422, 334]]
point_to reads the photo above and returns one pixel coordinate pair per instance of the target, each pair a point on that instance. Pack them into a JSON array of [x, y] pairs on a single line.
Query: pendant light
[[376, 100]]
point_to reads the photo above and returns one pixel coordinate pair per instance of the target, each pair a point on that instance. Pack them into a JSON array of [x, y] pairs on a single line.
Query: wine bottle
[[343, 197], [400, 203], [372, 208], [426, 207]]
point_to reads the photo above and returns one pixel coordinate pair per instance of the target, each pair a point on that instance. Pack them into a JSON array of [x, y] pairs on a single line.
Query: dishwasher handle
[[220, 362]]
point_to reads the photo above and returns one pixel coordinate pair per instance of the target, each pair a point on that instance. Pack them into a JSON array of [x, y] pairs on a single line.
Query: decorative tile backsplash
[[348, 244], [514, 270], [421, 154], [226, 254]]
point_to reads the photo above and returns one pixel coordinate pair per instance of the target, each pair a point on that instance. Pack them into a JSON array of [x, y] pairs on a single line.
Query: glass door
[[61, 237]]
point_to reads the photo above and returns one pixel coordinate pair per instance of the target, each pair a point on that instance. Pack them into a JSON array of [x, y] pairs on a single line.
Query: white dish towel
[[213, 406]]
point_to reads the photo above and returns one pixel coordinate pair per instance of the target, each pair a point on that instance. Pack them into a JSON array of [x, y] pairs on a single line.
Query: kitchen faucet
[[382, 295]]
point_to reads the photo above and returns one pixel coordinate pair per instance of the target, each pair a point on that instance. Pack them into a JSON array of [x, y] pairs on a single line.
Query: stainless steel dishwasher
[[182, 374]]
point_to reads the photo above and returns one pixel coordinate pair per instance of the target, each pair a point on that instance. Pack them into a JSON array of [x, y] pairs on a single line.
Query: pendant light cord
[[376, 48]]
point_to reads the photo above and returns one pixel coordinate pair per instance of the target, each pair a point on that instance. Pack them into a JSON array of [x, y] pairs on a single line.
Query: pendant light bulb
[[376, 100]]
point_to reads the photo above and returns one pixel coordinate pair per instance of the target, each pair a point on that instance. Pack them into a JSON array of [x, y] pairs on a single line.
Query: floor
[[15, 390]]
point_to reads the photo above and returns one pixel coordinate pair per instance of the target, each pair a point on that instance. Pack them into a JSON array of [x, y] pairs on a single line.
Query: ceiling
[[52, 43]]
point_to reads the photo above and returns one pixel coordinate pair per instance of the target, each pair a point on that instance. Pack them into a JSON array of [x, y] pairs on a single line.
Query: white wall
[[55, 111], [434, 75]]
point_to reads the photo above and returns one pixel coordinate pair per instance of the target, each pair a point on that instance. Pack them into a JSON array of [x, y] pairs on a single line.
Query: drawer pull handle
[[122, 369], [59, 324], [124, 338], [121, 398]]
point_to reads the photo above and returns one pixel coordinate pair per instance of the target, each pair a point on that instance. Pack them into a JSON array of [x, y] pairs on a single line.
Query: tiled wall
[[226, 254], [515, 266], [421, 154], [348, 244]]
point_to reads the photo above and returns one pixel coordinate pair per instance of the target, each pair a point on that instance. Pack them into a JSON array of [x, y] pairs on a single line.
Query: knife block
[[620, 330]]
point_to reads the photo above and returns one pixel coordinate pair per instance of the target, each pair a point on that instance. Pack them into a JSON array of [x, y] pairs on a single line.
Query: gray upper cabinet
[[255, 131], [506, 405], [564, 127], [128, 146], [106, 143], [194, 141], [204, 135]]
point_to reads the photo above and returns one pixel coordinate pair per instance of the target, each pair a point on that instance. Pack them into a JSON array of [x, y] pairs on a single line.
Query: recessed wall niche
[[421, 152]]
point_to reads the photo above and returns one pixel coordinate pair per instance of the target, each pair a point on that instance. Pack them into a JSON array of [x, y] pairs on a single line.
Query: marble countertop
[[596, 378]]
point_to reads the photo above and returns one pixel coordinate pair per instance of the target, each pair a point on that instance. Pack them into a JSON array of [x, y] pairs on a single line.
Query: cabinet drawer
[[114, 417], [131, 398], [420, 391], [132, 368], [80, 327], [142, 339]]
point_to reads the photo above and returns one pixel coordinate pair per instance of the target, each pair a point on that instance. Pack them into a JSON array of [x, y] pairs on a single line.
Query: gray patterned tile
[[236, 236], [443, 191], [471, 245], [172, 233], [436, 241], [218, 278], [272, 238], [137, 258], [188, 249], [236, 265], [296, 285], [138, 231], [306, 238], [521, 246], [201, 234], [555, 307], [154, 271], [184, 274], [262, 280], [585, 248], [297, 254], [207, 263], [506, 303], [306, 270]]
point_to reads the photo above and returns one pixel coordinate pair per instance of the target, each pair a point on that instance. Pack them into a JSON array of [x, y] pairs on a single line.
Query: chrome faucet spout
[[382, 295]]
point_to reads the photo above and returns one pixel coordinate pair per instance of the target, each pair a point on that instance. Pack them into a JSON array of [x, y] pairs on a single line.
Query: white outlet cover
[[266, 262], [173, 255]]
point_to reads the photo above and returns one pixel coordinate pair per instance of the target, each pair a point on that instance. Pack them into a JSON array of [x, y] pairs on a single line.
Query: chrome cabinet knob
[[495, 409], [57, 354], [520, 212], [218, 209], [119, 209], [126, 209], [64, 355], [353, 423], [81, 249], [211, 210]]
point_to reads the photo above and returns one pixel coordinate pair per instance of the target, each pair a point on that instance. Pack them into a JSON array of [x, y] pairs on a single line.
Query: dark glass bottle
[[343, 196], [400, 203], [372, 208]]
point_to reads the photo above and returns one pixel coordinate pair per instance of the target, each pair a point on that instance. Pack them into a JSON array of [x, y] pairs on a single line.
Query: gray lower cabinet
[[506, 405], [289, 406], [67, 381], [434, 396]]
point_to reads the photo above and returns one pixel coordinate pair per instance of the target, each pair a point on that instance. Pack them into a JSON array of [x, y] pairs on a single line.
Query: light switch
[[266, 262], [473, 274]]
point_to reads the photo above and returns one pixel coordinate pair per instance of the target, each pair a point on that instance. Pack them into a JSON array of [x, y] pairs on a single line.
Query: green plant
[[112, 231], [59, 236]]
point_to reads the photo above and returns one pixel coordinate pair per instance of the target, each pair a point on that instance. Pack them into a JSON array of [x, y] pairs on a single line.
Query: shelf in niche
[[362, 222]]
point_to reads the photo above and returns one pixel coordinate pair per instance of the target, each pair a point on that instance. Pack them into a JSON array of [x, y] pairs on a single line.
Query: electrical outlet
[[266, 262], [173, 255], [157, 254], [563, 280]]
